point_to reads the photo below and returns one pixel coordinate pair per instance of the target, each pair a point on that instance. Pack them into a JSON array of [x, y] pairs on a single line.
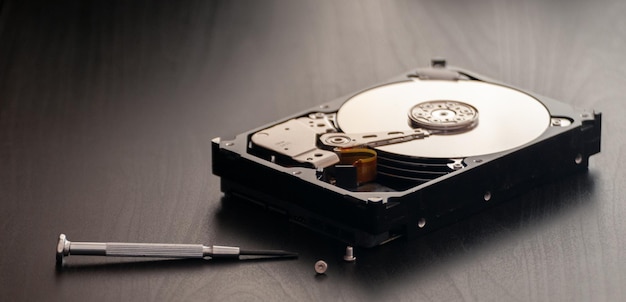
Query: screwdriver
[[158, 250]]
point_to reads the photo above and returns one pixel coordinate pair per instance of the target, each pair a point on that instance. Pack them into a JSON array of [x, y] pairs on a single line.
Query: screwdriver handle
[[151, 250], [120, 249]]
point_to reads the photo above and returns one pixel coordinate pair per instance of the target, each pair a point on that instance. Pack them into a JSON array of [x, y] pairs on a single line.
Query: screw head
[[321, 266]]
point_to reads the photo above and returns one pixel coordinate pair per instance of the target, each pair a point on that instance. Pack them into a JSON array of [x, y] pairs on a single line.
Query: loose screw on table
[[160, 250]]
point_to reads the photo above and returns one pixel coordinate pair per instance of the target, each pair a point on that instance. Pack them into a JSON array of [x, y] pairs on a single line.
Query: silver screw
[[349, 256], [321, 266]]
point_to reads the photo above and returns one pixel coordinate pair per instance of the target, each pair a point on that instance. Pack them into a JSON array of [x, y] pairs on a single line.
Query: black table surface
[[108, 108]]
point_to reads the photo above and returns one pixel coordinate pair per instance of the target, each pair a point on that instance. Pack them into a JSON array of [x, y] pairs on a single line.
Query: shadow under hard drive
[[479, 234]]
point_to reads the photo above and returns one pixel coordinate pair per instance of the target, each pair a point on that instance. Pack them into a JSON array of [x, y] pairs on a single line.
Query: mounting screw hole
[[421, 222], [487, 196], [578, 159]]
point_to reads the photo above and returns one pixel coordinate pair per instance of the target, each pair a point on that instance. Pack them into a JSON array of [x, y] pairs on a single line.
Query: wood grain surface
[[107, 109]]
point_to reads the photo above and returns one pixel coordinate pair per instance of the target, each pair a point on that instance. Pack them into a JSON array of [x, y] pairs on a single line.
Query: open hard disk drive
[[408, 156]]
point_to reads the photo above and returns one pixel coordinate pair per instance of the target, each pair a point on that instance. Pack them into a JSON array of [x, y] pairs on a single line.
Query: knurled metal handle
[[154, 250]]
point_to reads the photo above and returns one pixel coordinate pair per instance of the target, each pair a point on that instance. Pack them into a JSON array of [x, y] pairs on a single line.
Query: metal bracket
[[296, 140], [437, 71]]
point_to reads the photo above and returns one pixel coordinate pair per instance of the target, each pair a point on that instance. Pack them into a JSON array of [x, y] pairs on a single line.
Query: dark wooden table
[[107, 109]]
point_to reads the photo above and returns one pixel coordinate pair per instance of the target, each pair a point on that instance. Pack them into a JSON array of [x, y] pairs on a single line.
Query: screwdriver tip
[[268, 253]]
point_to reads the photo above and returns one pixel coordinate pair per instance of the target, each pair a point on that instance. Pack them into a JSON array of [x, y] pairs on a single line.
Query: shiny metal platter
[[508, 118]]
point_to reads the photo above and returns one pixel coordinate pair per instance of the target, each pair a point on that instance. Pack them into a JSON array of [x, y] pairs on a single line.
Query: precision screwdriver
[[158, 250]]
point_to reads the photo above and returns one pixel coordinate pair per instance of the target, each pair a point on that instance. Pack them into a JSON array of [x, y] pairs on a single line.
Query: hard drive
[[408, 156]]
